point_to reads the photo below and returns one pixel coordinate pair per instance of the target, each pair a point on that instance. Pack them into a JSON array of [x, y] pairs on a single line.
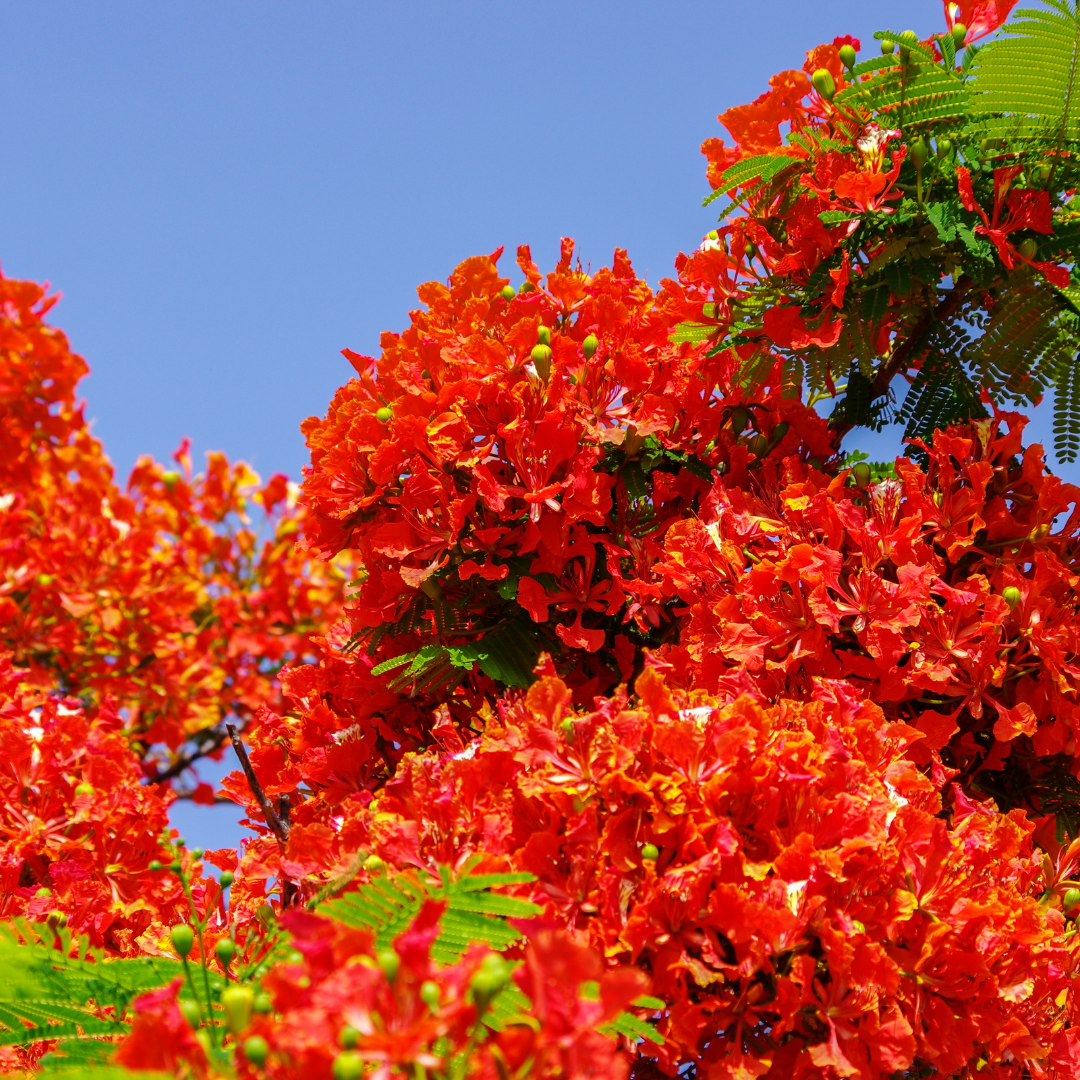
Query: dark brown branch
[[901, 356], [279, 828], [185, 761]]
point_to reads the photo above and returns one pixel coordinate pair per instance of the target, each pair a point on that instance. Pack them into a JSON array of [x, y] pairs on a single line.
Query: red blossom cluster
[[78, 829], [162, 596]]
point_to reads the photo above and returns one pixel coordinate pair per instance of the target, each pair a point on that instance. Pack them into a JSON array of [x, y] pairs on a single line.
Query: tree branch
[[279, 828], [900, 357]]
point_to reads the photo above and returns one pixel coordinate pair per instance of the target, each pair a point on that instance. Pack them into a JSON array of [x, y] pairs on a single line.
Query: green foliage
[[388, 904], [49, 980], [1025, 83]]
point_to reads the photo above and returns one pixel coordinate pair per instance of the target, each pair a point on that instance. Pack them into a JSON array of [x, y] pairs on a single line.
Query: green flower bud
[[589, 346], [508, 293], [56, 919], [526, 287], [739, 419], [348, 1065], [349, 1037], [919, 152], [1011, 595], [824, 83], [155, 864], [43, 892], [861, 474], [888, 48], [384, 415], [1029, 248], [176, 866], [944, 148], [779, 432], [225, 950], [374, 864], [238, 1003], [543, 335], [265, 914], [197, 853], [758, 445], [255, 1050], [1071, 900], [183, 937], [189, 1010], [712, 234], [541, 357], [430, 994], [567, 728], [489, 978], [388, 962], [847, 56], [909, 37], [750, 250], [959, 32], [181, 842], [264, 1003], [650, 852], [226, 879]]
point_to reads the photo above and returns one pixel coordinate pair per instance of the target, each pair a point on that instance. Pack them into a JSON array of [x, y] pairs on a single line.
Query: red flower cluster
[[411, 1011], [802, 896], [162, 597], [78, 829]]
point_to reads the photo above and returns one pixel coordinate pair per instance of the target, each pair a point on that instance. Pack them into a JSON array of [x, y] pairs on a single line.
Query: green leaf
[[756, 168], [944, 216], [1024, 83], [387, 906], [691, 331]]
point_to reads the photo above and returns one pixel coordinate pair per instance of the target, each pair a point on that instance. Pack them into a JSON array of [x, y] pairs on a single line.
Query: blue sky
[[227, 194]]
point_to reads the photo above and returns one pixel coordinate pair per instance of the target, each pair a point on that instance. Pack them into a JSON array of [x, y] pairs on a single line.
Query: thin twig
[[277, 827], [901, 355], [185, 761]]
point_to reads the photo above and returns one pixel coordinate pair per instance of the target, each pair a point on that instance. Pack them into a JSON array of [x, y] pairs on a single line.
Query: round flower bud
[[56, 919], [225, 950], [739, 419], [255, 1050], [712, 234], [847, 56], [959, 32], [189, 1010], [1029, 248], [183, 937], [264, 1004], [1071, 900], [176, 866], [155, 864], [508, 293], [43, 892], [197, 853], [541, 357], [944, 148], [1011, 595], [348, 1065], [920, 152], [758, 445], [824, 83], [265, 914], [888, 48], [780, 431], [650, 852], [226, 879], [373, 863], [388, 962], [384, 415], [861, 474], [349, 1037], [489, 978], [430, 994], [84, 789], [589, 346], [909, 37], [543, 335], [567, 728], [238, 1003]]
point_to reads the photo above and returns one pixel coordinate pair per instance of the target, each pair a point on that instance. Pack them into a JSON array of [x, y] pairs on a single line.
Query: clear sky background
[[229, 193]]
